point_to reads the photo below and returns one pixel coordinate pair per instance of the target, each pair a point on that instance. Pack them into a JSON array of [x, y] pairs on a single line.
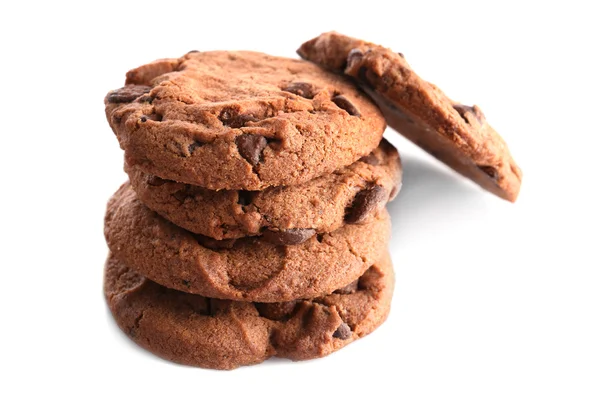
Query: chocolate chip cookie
[[248, 269], [224, 334], [353, 194], [241, 120], [456, 134]]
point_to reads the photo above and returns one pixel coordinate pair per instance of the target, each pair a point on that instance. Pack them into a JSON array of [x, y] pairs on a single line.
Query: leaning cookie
[[352, 194], [241, 120], [247, 269], [223, 334], [456, 134]]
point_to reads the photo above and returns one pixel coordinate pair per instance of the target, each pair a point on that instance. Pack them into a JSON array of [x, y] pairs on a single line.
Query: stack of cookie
[[254, 221], [254, 224]]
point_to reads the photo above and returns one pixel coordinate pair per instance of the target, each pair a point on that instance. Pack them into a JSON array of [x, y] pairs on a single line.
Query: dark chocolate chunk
[[214, 244], [145, 99], [227, 115], [370, 159], [490, 171], [194, 145], [289, 236], [251, 147], [154, 180], [302, 89], [127, 93], [151, 117], [343, 332], [365, 202], [342, 102], [231, 117], [463, 110], [354, 56], [241, 120], [363, 76]]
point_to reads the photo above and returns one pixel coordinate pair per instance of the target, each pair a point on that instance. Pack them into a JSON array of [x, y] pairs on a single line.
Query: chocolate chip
[[289, 236], [230, 116], [242, 119], [463, 110], [146, 99], [251, 147], [151, 117], [354, 56], [214, 244], [185, 283], [343, 332], [365, 202], [370, 159], [401, 55], [154, 180], [245, 197], [302, 89], [490, 171], [348, 289], [342, 102], [193, 51], [194, 145], [276, 311], [127, 93], [363, 75], [227, 115]]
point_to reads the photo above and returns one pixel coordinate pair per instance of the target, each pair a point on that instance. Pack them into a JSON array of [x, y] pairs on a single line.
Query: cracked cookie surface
[[241, 120], [248, 269], [456, 134], [318, 206], [224, 334]]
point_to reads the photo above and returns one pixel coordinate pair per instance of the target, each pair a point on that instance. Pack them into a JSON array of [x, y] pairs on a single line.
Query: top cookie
[[456, 134], [241, 120]]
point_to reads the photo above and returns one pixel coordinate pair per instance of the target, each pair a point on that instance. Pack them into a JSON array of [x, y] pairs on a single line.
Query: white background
[[493, 300]]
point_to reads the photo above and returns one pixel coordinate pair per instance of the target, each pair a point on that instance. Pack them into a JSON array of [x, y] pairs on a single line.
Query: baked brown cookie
[[456, 134], [247, 269], [224, 334], [241, 120], [353, 194]]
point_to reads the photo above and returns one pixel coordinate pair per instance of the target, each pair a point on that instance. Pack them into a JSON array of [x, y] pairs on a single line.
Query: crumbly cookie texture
[[224, 334], [456, 134], [241, 120], [353, 194], [247, 269]]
